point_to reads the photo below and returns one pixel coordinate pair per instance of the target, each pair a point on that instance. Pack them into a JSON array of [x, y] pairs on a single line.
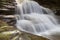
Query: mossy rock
[[4, 37], [5, 27], [2, 23], [9, 35], [28, 36]]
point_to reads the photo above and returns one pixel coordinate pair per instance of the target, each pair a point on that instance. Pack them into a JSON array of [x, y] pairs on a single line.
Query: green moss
[[4, 36]]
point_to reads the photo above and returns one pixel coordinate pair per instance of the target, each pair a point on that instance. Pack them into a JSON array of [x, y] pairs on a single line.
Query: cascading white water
[[33, 19]]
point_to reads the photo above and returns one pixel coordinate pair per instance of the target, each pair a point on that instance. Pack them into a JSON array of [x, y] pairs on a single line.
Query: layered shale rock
[[7, 7]]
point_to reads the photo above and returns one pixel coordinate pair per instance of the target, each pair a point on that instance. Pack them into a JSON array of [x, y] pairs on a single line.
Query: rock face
[[6, 7]]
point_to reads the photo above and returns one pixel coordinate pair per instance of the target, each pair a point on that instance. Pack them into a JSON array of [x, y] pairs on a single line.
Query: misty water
[[36, 19]]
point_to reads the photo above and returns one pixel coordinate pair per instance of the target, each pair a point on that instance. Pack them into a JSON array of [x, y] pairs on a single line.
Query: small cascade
[[33, 18], [40, 22]]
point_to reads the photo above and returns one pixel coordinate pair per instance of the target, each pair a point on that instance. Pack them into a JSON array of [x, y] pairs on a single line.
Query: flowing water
[[35, 19]]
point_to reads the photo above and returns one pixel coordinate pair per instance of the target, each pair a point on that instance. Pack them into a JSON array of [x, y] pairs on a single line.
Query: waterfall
[[35, 19]]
